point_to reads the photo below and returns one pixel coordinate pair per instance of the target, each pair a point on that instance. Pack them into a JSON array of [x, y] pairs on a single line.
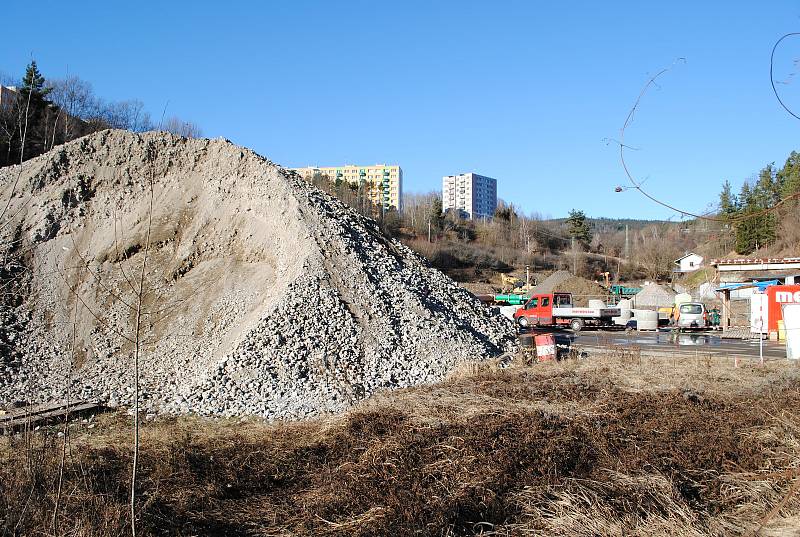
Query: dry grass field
[[600, 446]]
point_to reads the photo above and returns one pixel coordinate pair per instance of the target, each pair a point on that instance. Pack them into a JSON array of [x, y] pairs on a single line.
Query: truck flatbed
[[591, 313]]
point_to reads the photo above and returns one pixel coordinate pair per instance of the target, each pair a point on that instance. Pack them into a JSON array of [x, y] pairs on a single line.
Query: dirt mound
[[262, 295], [582, 289], [654, 296]]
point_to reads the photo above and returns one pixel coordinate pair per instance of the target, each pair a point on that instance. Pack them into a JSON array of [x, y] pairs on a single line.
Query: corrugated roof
[[751, 260], [760, 285], [750, 275]]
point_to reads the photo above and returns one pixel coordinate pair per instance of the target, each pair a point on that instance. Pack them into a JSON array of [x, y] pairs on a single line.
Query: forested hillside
[[764, 214], [38, 113]]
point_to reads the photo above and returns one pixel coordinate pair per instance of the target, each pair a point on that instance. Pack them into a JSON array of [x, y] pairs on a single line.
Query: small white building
[[689, 263]]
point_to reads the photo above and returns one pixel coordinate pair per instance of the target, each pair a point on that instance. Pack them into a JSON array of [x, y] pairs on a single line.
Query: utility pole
[[574, 258], [627, 250], [429, 230]]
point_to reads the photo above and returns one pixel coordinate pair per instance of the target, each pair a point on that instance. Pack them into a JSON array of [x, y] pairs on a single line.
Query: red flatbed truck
[[556, 309]]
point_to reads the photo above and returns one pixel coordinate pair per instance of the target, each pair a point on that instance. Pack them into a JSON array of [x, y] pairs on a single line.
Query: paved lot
[[667, 341]]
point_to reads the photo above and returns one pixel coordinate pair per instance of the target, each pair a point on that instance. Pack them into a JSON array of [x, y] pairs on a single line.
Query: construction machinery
[[510, 282], [511, 299], [621, 291]]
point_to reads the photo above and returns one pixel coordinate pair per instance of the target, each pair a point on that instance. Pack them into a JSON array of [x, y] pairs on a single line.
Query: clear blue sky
[[522, 91]]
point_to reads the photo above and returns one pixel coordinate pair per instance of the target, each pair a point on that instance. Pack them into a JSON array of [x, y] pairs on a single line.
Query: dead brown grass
[[576, 448]]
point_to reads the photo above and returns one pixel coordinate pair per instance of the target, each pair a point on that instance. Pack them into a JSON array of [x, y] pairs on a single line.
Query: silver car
[[692, 315]]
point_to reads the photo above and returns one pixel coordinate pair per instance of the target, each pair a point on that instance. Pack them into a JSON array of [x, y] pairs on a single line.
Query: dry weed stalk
[[137, 345]]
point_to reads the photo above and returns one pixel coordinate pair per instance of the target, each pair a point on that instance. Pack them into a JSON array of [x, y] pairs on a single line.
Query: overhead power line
[[637, 185]]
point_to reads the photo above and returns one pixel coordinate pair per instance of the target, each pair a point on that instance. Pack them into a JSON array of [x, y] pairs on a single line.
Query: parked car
[[692, 316]]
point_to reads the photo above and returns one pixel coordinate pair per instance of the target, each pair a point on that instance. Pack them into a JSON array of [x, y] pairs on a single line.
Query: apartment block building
[[8, 95], [475, 196], [383, 183]]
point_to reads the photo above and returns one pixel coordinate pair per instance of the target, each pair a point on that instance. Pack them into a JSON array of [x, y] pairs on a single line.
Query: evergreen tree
[[31, 111], [756, 217], [767, 194], [760, 229], [767, 189], [744, 228], [789, 176], [33, 81], [578, 227], [727, 201], [33, 90], [436, 216]]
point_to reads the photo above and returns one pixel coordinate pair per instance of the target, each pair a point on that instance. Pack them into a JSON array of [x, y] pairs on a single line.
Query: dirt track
[[673, 344]]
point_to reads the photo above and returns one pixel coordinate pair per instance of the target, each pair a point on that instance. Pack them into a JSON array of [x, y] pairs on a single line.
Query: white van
[[692, 315]]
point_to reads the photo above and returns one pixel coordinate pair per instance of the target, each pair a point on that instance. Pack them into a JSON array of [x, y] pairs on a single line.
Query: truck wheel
[[576, 325], [523, 321]]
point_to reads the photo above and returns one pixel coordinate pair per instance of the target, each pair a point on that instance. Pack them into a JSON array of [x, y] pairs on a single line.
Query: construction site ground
[[666, 342]]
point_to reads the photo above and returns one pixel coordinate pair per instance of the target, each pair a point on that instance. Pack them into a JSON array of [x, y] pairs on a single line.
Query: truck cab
[[538, 310]]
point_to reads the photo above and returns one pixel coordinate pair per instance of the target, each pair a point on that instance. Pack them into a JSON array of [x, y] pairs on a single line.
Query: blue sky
[[527, 92]]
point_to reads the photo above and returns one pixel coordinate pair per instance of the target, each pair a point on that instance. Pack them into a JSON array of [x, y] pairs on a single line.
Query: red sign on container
[[777, 295]]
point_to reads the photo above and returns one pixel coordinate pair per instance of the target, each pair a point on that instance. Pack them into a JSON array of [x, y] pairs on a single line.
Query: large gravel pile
[[563, 281], [262, 296], [654, 295]]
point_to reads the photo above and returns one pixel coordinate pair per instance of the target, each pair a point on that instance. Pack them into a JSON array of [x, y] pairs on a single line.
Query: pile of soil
[[261, 294], [582, 289], [654, 296]]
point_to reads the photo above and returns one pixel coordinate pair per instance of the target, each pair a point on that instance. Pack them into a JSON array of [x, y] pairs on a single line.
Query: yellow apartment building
[[383, 183]]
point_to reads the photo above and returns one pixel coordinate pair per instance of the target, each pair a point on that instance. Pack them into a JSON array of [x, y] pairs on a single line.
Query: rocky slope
[[262, 295]]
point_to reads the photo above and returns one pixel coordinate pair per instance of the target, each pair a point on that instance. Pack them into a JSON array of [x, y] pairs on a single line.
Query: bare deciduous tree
[[187, 129], [76, 100], [128, 115]]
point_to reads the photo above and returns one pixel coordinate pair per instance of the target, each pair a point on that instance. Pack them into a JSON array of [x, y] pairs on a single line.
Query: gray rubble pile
[[262, 295]]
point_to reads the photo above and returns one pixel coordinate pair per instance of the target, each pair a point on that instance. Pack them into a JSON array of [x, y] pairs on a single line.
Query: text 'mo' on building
[[383, 183], [475, 196]]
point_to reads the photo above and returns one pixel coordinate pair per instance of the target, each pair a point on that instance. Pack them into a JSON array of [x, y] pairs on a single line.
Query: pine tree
[[33, 82], [727, 201], [745, 234], [32, 112], [578, 227], [766, 194], [789, 176], [436, 216], [767, 189]]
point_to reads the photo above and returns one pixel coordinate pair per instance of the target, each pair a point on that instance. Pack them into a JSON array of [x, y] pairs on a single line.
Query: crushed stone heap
[[582, 289], [262, 294]]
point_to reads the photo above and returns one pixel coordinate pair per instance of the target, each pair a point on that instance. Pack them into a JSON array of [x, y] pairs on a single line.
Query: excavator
[[515, 291]]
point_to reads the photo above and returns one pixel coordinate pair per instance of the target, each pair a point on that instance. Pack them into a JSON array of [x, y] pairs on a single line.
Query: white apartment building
[[475, 196]]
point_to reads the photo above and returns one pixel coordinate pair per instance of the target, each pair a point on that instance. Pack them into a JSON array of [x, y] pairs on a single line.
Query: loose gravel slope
[[262, 296]]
